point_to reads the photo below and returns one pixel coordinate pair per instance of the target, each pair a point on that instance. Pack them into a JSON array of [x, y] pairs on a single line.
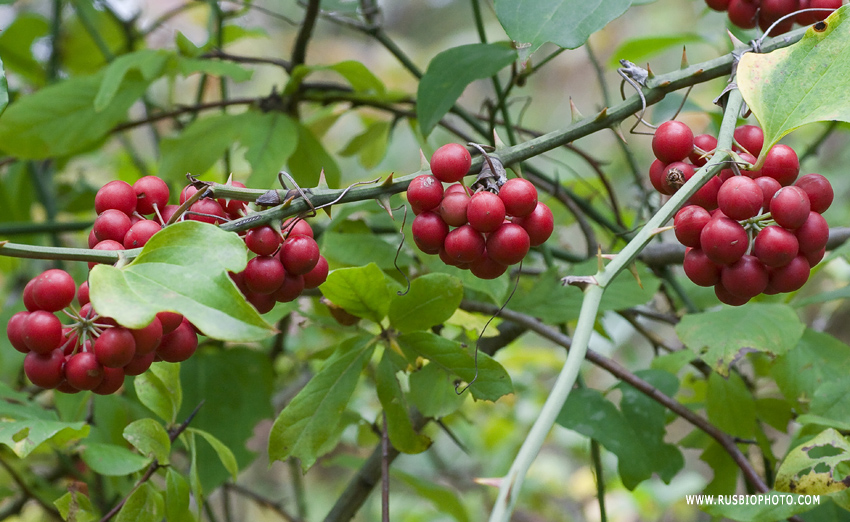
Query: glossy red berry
[[299, 254], [115, 347], [673, 141], [45, 370], [53, 290], [140, 233], [263, 241], [180, 344], [819, 191], [781, 164], [117, 195], [519, 197], [508, 244], [151, 192], [318, 275], [464, 244], [83, 372], [429, 232], [42, 332], [485, 212], [425, 192], [539, 224], [451, 162]]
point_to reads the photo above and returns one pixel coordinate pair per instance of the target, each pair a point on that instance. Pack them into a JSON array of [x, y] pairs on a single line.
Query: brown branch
[[183, 110], [218, 53], [726, 441], [299, 50]]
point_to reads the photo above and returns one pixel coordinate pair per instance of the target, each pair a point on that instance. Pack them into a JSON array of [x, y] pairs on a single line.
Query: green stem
[[511, 484], [596, 455]]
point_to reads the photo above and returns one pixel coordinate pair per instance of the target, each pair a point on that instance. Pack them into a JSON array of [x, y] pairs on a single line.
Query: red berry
[[519, 197], [675, 175], [206, 211], [689, 222], [53, 290], [775, 246], [15, 331], [317, 275], [113, 379], [673, 141], [453, 209], [451, 162], [106, 245], [170, 321], [819, 191], [700, 269], [723, 240], [296, 227], [151, 192], [790, 207], [429, 232], [750, 138], [45, 370], [263, 274], [148, 338], [485, 212], [117, 195], [290, 289], [781, 164], [725, 296], [263, 241], [706, 196], [790, 277], [29, 301], [140, 233], [83, 372], [508, 244], [464, 244], [139, 364], [705, 142], [745, 278], [743, 14], [485, 268], [178, 345], [813, 234], [115, 347], [539, 224], [656, 176], [111, 224], [740, 198], [425, 192], [299, 254], [42, 332], [768, 187]]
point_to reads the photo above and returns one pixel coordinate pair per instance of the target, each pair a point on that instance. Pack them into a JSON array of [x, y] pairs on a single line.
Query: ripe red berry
[[15, 331], [296, 227], [264, 274], [769, 187], [451, 162], [170, 321], [140, 233], [206, 211], [790, 207], [429, 232], [485, 212], [464, 244], [750, 138], [519, 197], [180, 344], [106, 245], [453, 209], [42, 332], [117, 195], [485, 268], [819, 191], [29, 301], [299, 254], [113, 379], [318, 275], [424, 193], [792, 276], [724, 296], [148, 338], [675, 175], [700, 269], [745, 278], [781, 164], [111, 224], [290, 289], [83, 372], [263, 241], [508, 244], [45, 370], [706, 196], [775, 246], [689, 222], [115, 347], [743, 13], [539, 224], [740, 198], [723, 240], [656, 176], [151, 192], [705, 142], [53, 290], [813, 234], [139, 364], [673, 141]]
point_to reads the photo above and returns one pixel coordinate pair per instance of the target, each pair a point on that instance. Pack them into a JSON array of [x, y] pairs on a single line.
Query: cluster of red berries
[[746, 14], [285, 265], [491, 230], [748, 231], [91, 352]]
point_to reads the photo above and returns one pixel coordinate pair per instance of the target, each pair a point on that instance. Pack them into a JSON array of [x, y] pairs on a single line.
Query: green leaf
[[639, 49], [148, 63], [176, 497], [770, 328], [370, 145], [150, 438], [244, 403], [112, 460], [81, 54], [24, 436], [433, 393], [726, 472], [16, 42], [361, 249], [159, 389], [271, 139], [730, 405], [60, 119], [830, 405], [362, 291], [587, 412], [445, 499], [310, 159], [144, 505], [184, 269], [232, 70], [75, 506], [800, 84], [305, 425], [224, 454], [200, 145], [450, 72], [492, 382], [817, 359], [399, 427], [811, 468], [432, 299], [566, 23]]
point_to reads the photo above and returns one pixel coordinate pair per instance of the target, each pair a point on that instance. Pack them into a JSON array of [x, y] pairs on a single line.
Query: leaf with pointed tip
[[184, 269], [803, 83], [566, 23], [148, 63]]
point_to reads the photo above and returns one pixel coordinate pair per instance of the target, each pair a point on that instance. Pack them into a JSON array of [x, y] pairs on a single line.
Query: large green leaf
[[148, 63], [310, 159], [112, 460], [16, 43], [730, 405], [432, 299], [182, 269], [803, 83], [721, 337], [399, 427], [567, 23], [61, 119], [159, 389], [225, 455], [76, 503], [145, 504], [362, 291], [271, 139], [244, 403], [150, 438], [830, 405], [450, 72], [432, 392], [306, 425], [492, 381], [817, 359], [177, 497], [361, 249], [200, 145]]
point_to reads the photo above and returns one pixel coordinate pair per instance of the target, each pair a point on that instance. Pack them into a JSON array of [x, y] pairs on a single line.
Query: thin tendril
[[478, 341], [398, 250]]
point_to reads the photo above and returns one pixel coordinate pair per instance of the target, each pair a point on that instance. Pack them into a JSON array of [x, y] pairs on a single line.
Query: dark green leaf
[[184, 269], [310, 159], [725, 470], [200, 145], [16, 42], [150, 438], [817, 359], [271, 139], [800, 84], [370, 145], [362, 249], [112, 460], [830, 406], [224, 454], [148, 63], [60, 119], [176, 497], [81, 54], [305, 425], [566, 23], [768, 328], [445, 499], [144, 505], [730, 405], [159, 389], [492, 382], [432, 299], [450, 72], [432, 392], [244, 403], [363, 291], [232, 70], [400, 430]]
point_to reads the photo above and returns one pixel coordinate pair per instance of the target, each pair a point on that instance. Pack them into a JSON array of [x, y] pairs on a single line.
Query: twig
[[385, 471], [299, 50], [261, 500]]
